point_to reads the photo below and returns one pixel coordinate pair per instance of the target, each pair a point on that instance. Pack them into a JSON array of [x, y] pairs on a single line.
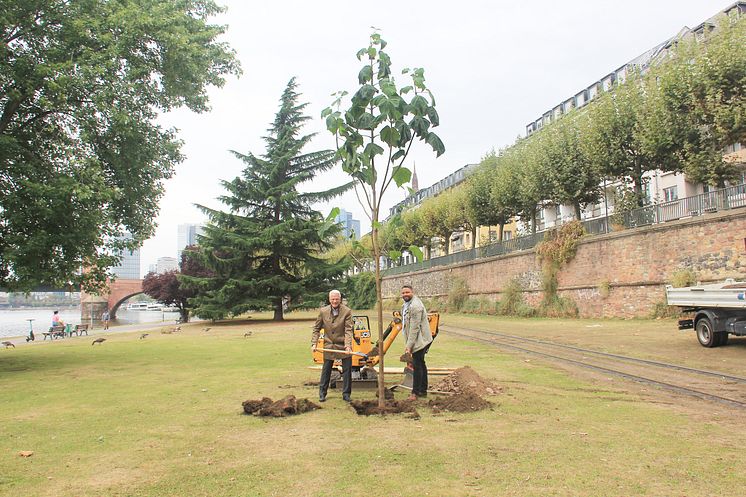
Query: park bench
[[80, 329], [54, 332]]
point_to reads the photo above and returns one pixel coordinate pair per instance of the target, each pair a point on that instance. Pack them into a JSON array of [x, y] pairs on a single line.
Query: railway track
[[707, 385]]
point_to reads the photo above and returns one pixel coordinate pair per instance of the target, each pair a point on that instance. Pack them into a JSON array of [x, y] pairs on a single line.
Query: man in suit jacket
[[336, 320], [418, 338]]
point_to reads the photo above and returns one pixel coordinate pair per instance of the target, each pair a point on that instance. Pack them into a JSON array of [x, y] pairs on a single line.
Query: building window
[[671, 193], [507, 235]]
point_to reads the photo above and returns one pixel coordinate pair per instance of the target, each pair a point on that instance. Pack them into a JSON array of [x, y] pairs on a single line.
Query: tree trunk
[[445, 244], [501, 230], [379, 312], [474, 237], [637, 180], [578, 212], [533, 222], [184, 315], [278, 311]]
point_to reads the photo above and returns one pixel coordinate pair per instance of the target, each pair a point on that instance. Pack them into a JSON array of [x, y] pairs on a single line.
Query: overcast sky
[[493, 66]]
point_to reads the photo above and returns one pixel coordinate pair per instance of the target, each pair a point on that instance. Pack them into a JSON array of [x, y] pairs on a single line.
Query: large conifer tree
[[264, 251]]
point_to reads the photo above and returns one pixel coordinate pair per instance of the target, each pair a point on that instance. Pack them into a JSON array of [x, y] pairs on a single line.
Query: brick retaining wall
[[637, 263]]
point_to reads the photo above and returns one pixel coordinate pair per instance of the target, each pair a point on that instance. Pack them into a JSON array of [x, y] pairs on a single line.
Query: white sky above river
[[493, 66]]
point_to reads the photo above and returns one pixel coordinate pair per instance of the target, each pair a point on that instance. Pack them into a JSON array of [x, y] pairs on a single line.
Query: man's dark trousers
[[419, 376], [326, 375]]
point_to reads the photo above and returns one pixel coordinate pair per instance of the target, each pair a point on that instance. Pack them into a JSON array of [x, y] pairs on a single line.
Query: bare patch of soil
[[370, 407], [287, 406], [466, 380], [467, 401]]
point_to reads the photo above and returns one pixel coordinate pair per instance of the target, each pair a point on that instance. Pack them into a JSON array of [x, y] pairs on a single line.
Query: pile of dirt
[[467, 401], [370, 407], [286, 406], [466, 380]]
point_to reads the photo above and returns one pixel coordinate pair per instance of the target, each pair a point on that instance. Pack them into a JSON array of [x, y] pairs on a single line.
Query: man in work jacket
[[336, 320], [418, 338]]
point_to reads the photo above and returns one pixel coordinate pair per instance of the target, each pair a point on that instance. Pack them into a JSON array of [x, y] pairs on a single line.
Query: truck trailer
[[718, 310]]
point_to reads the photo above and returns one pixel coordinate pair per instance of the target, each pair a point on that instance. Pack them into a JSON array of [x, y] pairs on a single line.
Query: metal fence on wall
[[731, 197]]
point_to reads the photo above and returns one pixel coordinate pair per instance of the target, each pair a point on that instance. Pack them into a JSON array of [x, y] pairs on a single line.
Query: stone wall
[[636, 264]]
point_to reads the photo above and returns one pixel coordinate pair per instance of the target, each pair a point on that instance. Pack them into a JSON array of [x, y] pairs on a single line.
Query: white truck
[[719, 310]]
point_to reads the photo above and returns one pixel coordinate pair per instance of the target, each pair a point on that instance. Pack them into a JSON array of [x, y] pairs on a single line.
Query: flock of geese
[[101, 340]]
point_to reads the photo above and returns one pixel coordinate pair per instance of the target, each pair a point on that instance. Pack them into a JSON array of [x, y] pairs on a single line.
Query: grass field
[[162, 417]]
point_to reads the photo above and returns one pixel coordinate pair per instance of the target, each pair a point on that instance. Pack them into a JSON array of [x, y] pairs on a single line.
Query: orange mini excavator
[[365, 356]]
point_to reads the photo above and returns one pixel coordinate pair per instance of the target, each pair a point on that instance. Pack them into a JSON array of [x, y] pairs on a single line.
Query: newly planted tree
[[374, 135]]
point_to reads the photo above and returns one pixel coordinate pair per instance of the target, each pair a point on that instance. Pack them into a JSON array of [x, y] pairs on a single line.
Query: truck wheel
[[705, 335]]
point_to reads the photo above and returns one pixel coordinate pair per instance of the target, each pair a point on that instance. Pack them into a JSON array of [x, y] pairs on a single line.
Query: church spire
[[415, 184]]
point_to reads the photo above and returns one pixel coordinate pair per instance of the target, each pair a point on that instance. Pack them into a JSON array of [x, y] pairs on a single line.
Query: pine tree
[[265, 251]]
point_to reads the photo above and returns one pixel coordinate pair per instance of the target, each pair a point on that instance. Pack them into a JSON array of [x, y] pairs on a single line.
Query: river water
[[15, 323]]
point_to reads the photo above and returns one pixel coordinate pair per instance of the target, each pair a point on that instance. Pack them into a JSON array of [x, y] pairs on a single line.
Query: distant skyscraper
[[129, 267], [350, 227], [187, 235], [165, 264]]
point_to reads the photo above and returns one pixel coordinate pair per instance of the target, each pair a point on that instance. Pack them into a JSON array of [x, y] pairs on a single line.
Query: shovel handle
[[342, 352]]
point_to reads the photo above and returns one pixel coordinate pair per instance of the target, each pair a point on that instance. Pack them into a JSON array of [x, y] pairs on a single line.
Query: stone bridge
[[93, 306]]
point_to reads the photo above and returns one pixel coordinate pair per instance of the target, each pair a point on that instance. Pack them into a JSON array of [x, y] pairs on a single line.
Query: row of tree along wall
[[621, 274]]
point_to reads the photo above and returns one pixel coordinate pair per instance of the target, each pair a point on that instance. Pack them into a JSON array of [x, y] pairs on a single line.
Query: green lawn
[[162, 417]]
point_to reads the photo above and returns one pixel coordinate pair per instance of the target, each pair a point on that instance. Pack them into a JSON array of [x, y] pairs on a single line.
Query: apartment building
[[661, 186]]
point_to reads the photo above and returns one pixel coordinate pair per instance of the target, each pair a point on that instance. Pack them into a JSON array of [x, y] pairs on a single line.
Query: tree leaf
[[419, 105], [415, 251], [333, 214], [432, 114], [365, 75], [402, 175], [373, 149], [420, 126], [394, 254], [388, 87], [332, 124], [363, 96], [437, 145], [390, 136]]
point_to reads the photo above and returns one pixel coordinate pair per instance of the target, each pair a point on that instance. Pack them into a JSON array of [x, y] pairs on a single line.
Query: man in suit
[[336, 320], [418, 338]]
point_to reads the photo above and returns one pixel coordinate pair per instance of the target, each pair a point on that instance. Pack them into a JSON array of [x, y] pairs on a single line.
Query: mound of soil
[[467, 401], [370, 407], [286, 406], [466, 380]]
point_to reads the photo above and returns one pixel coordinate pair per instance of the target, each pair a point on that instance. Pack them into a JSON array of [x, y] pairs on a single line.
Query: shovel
[[343, 352]]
